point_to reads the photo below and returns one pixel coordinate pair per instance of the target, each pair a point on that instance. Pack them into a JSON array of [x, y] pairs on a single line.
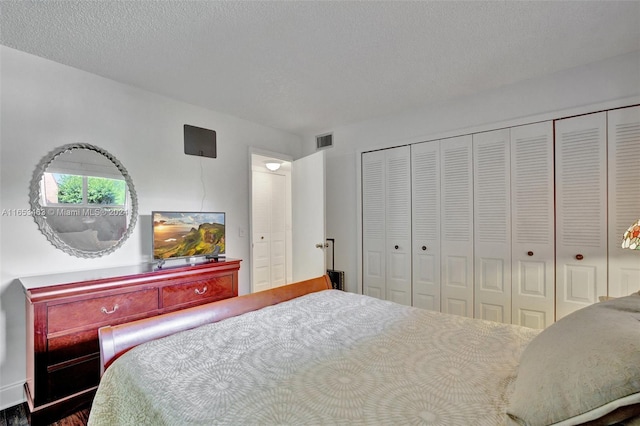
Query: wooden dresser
[[64, 312]]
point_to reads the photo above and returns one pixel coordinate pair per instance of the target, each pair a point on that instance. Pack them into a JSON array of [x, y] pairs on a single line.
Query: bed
[[306, 354]]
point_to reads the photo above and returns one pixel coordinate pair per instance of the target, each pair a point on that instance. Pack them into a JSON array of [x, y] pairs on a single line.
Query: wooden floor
[[17, 416]]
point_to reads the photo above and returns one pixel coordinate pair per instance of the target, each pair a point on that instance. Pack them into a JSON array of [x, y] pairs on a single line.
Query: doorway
[[287, 219], [271, 221]]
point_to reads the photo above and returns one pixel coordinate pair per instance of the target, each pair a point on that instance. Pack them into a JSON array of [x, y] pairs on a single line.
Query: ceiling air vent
[[324, 141]]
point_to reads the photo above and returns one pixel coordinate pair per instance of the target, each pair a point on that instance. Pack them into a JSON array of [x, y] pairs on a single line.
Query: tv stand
[[64, 312], [214, 258], [191, 261]]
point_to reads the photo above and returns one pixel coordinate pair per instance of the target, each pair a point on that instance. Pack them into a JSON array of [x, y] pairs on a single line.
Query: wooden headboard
[[118, 339]]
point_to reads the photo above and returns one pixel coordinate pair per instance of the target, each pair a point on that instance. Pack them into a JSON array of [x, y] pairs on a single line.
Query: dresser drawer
[[73, 378], [100, 310], [204, 290], [71, 346]]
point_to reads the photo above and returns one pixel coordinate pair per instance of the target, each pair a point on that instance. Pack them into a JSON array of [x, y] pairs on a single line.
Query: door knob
[[396, 247], [530, 253], [579, 257], [424, 247]]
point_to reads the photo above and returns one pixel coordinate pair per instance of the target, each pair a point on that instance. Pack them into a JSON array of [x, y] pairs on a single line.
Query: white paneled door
[[278, 230], [398, 226], [308, 200], [532, 216], [269, 218], [456, 215], [373, 225], [261, 230], [624, 198], [581, 211], [425, 187], [386, 218], [492, 225]]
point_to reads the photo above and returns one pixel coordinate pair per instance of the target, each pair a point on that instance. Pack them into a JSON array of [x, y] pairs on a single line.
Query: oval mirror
[[83, 200]]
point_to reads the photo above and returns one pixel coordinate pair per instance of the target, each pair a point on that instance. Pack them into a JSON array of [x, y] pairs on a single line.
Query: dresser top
[[139, 270]]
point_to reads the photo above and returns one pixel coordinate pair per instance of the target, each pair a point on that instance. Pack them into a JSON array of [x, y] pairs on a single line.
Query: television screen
[[187, 234]]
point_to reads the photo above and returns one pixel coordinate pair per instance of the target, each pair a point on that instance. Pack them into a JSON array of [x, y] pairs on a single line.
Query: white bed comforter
[[325, 358]]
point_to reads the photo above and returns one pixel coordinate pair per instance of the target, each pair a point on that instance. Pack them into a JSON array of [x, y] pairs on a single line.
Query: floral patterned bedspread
[[325, 358]]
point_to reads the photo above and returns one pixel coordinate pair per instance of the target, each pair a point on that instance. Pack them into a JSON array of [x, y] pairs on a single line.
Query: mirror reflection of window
[[66, 189]]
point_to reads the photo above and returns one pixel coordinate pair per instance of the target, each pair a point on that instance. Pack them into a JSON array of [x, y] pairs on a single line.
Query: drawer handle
[[203, 291], [105, 311]]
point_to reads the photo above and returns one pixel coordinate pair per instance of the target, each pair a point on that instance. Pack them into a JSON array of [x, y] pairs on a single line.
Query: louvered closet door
[[581, 222], [532, 215], [456, 232], [425, 187], [373, 224], [398, 224], [492, 225], [624, 198]]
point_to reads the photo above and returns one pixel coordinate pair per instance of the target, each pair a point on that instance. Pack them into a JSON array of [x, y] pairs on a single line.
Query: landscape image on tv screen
[[187, 234]]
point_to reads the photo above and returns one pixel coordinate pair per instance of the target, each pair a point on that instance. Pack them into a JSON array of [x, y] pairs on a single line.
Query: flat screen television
[[188, 234]]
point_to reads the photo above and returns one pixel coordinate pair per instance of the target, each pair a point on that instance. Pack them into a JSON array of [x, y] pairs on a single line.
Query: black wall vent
[[324, 141], [199, 141]]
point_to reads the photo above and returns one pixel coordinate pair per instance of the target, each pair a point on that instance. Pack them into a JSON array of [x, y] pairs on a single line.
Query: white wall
[[45, 105], [606, 84]]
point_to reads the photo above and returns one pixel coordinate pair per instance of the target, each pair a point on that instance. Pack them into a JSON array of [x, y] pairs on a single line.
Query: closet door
[[425, 187], [278, 233], [260, 224], [269, 230], [374, 224], [456, 215], [624, 198], [492, 225], [532, 215], [398, 224], [581, 222]]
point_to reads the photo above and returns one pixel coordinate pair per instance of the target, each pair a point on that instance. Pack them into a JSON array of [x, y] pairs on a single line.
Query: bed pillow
[[583, 368]]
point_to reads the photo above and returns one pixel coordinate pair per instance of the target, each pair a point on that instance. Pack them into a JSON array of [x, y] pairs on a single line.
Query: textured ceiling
[[310, 66]]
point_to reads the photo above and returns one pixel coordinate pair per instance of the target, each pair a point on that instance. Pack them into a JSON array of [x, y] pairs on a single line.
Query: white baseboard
[[11, 394]]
